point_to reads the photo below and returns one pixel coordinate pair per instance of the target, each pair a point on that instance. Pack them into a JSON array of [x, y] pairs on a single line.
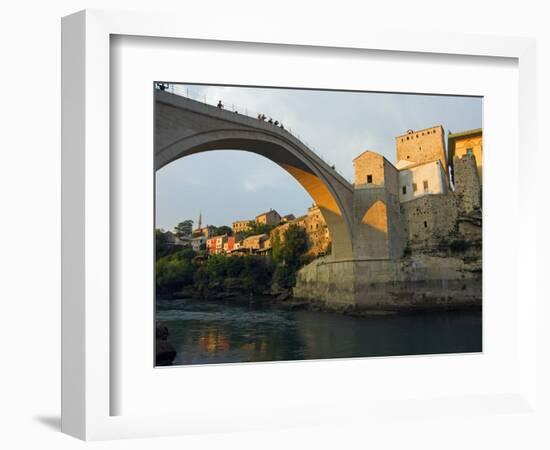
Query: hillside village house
[[315, 226], [270, 217], [255, 243], [214, 244], [174, 241], [240, 226], [198, 243], [206, 231], [229, 244]]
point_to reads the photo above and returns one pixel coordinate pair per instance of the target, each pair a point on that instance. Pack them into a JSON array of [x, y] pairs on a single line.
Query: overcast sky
[[233, 185]]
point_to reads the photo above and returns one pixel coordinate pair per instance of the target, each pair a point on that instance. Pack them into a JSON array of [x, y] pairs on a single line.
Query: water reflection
[[205, 332]]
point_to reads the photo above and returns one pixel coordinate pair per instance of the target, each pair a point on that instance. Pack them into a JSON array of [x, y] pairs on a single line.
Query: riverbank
[[416, 284], [285, 301], [420, 283]]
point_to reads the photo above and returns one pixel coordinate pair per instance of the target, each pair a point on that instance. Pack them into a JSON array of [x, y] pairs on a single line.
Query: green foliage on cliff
[[175, 271], [224, 229], [247, 273], [163, 247], [180, 269], [289, 255], [257, 228]]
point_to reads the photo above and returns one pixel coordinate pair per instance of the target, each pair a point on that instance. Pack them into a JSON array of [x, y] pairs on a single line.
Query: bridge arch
[[184, 127]]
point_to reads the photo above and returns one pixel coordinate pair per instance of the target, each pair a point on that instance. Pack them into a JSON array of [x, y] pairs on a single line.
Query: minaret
[[200, 220]]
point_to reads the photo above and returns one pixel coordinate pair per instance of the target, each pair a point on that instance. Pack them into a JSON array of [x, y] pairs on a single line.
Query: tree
[[290, 249], [174, 271], [161, 243], [257, 228], [224, 229], [288, 254], [184, 229]]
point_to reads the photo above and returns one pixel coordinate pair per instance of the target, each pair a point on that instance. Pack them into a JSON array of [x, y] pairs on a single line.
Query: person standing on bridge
[[220, 105]]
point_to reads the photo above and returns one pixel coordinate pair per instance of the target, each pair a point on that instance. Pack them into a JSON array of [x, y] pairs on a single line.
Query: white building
[[416, 180], [198, 243]]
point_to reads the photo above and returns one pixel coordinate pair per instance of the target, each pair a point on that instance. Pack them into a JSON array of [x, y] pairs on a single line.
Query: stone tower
[[467, 184], [423, 146], [378, 228]]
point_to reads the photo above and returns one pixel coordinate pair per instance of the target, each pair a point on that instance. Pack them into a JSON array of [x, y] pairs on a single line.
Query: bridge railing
[[183, 91]]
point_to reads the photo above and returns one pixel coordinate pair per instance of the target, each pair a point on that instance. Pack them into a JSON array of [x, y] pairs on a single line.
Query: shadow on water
[[209, 332]]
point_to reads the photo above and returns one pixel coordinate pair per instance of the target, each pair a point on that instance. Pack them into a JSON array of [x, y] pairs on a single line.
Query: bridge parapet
[[239, 119]]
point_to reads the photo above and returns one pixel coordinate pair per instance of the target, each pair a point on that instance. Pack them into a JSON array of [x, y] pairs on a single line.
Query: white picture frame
[[87, 328]]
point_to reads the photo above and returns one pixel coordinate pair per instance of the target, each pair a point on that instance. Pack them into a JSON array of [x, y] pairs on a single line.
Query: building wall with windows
[[229, 244], [214, 245], [206, 231], [270, 217], [369, 169], [422, 146], [422, 179], [240, 226], [255, 242], [198, 243]]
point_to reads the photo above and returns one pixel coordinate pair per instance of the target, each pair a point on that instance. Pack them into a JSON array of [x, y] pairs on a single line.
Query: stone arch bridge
[[184, 127]]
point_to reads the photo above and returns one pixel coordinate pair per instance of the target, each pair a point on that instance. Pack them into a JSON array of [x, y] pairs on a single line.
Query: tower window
[[415, 187], [369, 178], [404, 190], [425, 183], [425, 224]]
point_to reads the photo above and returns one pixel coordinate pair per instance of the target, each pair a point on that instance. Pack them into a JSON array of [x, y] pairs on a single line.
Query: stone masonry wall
[[430, 218], [419, 282], [467, 184], [369, 165]]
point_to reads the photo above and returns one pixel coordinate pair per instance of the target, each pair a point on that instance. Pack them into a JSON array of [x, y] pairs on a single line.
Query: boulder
[[165, 353]]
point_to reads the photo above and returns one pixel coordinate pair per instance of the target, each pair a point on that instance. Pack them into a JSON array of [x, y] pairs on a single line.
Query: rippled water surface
[[208, 332]]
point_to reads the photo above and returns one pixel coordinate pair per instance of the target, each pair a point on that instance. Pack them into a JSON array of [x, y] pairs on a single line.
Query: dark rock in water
[[161, 332], [284, 295], [165, 353], [295, 305]]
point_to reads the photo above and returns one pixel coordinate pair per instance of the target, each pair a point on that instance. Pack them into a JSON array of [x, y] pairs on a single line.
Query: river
[[211, 332]]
